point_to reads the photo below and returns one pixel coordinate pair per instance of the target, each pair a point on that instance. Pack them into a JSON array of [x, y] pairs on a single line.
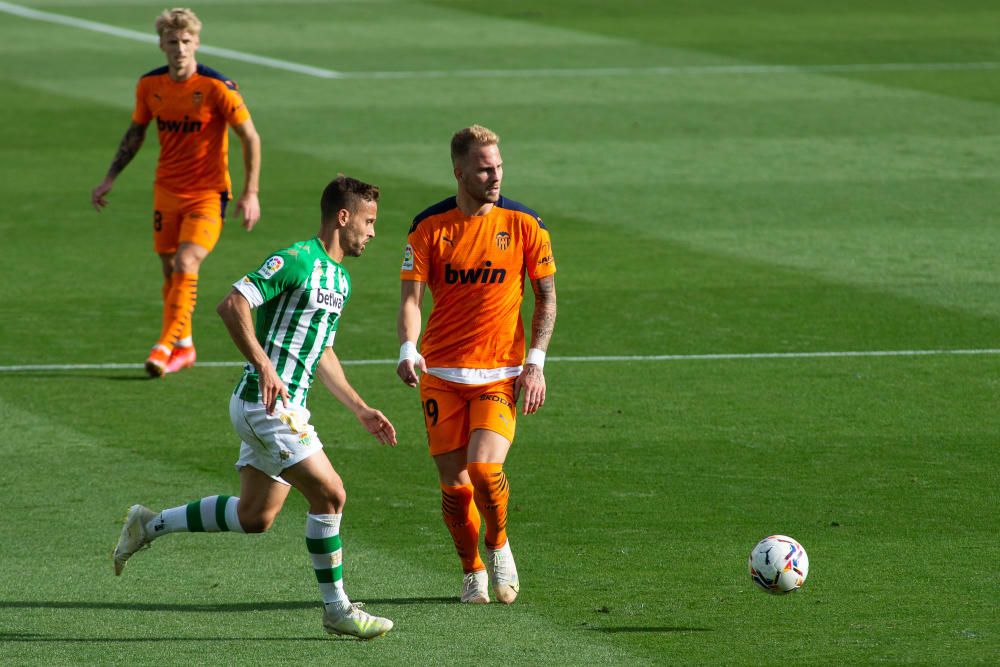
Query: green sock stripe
[[323, 545], [331, 575], [220, 512], [194, 517]]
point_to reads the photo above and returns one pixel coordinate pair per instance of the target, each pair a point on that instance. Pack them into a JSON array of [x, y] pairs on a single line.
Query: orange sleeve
[[141, 115], [538, 257], [231, 103], [416, 256]]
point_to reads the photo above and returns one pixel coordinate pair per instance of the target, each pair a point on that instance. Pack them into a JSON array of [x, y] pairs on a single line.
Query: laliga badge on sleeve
[[407, 258], [271, 266]]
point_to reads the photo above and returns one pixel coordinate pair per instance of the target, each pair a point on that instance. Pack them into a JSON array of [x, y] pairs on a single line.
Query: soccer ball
[[778, 564]]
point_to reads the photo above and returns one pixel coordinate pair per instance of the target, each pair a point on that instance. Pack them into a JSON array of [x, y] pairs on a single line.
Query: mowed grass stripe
[[659, 70]]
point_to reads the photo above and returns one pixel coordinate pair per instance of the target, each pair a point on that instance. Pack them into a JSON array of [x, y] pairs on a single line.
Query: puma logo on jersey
[[482, 275]]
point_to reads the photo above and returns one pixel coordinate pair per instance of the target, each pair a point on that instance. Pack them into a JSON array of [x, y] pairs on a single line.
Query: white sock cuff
[[322, 525], [232, 516]]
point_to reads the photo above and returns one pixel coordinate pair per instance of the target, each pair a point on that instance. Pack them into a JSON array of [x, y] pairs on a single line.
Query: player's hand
[[271, 389], [407, 371], [98, 194], [249, 206], [378, 425], [532, 381]]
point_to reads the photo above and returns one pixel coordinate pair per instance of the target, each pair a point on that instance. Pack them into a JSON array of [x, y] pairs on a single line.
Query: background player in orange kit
[[474, 251], [193, 106]]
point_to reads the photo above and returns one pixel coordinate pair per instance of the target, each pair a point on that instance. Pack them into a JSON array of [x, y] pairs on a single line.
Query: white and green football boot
[[133, 537], [355, 623]]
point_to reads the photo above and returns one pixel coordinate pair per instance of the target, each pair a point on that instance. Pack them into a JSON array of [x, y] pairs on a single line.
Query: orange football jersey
[[191, 119], [475, 267]]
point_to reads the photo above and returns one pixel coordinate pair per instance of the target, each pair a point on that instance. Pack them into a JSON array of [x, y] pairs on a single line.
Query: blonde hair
[[177, 19], [467, 137]]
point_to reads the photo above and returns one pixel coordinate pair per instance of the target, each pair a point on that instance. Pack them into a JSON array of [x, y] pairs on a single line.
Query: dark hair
[[345, 192]]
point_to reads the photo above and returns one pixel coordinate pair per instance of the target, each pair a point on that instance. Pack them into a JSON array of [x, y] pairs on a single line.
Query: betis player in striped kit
[[299, 294]]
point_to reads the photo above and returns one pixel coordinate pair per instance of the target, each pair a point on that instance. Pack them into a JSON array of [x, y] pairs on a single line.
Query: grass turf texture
[[691, 214]]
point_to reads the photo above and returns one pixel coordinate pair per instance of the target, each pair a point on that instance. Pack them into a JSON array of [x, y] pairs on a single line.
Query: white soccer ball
[[778, 564]]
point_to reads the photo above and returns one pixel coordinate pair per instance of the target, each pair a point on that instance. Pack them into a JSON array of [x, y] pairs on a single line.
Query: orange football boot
[[181, 358], [156, 364]]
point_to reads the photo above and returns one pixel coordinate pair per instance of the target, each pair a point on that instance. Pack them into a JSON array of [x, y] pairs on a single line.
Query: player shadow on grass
[[650, 629], [208, 607], [26, 637], [73, 374]]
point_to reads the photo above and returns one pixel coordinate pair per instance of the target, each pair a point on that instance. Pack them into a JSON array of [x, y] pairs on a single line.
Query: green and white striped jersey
[[299, 293]]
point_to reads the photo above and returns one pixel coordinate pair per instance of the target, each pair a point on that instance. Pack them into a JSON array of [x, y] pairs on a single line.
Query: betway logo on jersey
[[479, 275], [329, 299], [187, 125]]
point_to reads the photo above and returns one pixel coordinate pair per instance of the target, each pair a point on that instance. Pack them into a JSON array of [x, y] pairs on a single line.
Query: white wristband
[[408, 350], [536, 357]]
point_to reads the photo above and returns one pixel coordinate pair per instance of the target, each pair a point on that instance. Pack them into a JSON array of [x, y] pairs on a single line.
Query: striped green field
[[746, 191]]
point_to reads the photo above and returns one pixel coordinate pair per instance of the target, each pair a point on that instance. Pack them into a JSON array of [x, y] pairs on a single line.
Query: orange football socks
[[462, 519], [491, 495], [178, 308]]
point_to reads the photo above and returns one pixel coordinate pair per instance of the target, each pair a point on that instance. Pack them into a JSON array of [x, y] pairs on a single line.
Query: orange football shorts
[[194, 217], [452, 411]]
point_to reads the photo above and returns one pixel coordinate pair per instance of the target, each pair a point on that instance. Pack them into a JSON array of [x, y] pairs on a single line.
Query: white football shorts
[[272, 442]]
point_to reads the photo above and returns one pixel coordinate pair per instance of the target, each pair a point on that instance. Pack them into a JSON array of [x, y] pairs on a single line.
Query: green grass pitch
[[722, 206]]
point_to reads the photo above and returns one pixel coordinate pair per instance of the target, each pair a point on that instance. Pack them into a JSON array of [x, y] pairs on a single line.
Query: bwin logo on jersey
[[330, 300], [185, 126], [482, 275]]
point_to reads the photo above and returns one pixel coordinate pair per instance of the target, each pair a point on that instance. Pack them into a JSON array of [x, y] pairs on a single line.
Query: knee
[[484, 475], [256, 522], [337, 499], [331, 501], [186, 262]]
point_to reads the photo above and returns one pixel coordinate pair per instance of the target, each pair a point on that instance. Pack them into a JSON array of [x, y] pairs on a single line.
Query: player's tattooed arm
[[127, 149], [531, 381], [129, 146], [543, 321]]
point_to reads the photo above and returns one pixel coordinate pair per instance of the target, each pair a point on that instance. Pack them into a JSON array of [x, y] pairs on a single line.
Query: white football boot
[[502, 573], [133, 537], [355, 623], [475, 588]]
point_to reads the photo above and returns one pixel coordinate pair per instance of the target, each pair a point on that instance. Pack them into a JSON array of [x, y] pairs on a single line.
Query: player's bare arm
[[127, 149], [248, 204], [235, 313], [543, 322], [331, 373], [408, 326]]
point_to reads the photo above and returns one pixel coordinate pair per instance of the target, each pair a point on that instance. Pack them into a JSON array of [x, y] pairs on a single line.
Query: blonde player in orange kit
[[193, 106], [474, 251]]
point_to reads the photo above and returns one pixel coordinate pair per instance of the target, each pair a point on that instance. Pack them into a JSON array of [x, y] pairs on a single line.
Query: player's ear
[[343, 217]]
